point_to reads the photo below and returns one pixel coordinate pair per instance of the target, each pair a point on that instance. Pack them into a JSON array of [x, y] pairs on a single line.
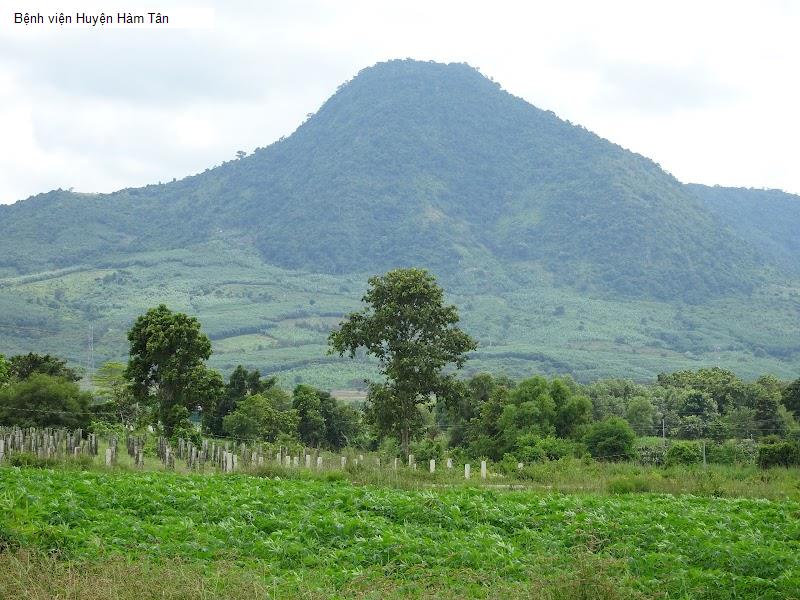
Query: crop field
[[277, 321], [91, 534]]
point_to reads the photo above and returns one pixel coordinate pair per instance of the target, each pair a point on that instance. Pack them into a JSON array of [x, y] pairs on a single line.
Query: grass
[[566, 475], [40, 577], [86, 533]]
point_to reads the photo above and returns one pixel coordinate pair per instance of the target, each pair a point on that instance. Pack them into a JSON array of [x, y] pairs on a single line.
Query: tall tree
[[167, 364], [311, 425], [413, 334]]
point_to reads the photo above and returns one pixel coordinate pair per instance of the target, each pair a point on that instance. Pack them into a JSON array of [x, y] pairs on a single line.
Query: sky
[[709, 90]]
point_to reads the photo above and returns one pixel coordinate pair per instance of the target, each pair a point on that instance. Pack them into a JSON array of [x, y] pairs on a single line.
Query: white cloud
[[708, 89]]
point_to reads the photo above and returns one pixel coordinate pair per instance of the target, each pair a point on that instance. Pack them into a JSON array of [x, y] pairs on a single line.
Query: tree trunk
[[404, 435]]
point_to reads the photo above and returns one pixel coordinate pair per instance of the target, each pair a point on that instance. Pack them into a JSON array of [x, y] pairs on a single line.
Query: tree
[[413, 334], [23, 366], [257, 417], [640, 413], [767, 414], [5, 372], [241, 383], [311, 423], [44, 401], [166, 366], [611, 439], [791, 397]]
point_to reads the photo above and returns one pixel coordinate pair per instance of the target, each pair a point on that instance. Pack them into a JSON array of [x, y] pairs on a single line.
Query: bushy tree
[[44, 401], [767, 412], [241, 383], [5, 372], [22, 366], [723, 387], [311, 423], [413, 334], [640, 413], [167, 364], [258, 417], [611, 439], [791, 397]]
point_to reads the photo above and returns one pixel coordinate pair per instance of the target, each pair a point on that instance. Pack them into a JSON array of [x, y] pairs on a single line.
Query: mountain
[[565, 251], [417, 164], [768, 219]]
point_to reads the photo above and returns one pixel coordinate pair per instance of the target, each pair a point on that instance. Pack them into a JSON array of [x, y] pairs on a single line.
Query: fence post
[[483, 469], [466, 471], [433, 465]]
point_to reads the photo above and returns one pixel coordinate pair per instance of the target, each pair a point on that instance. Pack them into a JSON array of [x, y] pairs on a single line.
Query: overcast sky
[[710, 90]]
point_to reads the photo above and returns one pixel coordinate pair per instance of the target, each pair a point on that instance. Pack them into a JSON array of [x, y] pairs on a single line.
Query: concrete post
[[449, 463], [433, 465], [344, 462], [466, 471], [410, 460], [308, 461], [319, 463], [108, 457], [483, 469]]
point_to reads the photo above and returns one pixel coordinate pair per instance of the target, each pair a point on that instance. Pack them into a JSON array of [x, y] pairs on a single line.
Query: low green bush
[[780, 454], [611, 439], [628, 485], [732, 452], [683, 453]]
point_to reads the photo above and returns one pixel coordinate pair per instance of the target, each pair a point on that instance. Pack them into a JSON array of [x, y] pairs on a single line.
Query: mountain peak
[[432, 165]]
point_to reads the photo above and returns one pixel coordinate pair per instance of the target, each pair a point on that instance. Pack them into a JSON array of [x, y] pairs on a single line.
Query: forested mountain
[[768, 219], [565, 250], [424, 164]]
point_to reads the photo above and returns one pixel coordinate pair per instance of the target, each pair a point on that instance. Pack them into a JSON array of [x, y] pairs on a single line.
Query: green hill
[[566, 252], [768, 219]]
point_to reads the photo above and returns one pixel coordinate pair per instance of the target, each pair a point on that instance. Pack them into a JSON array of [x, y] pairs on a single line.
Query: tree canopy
[[411, 331], [167, 364]]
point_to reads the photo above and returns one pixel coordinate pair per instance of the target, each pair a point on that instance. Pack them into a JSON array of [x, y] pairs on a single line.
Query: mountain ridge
[[426, 164]]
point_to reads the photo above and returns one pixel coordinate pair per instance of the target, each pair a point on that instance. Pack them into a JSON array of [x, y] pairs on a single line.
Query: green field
[[87, 532], [277, 321]]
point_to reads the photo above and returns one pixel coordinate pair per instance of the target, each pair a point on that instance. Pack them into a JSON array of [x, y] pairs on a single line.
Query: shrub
[[611, 439], [782, 454], [655, 455], [426, 449], [732, 452], [683, 453], [531, 454], [556, 448], [627, 485]]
